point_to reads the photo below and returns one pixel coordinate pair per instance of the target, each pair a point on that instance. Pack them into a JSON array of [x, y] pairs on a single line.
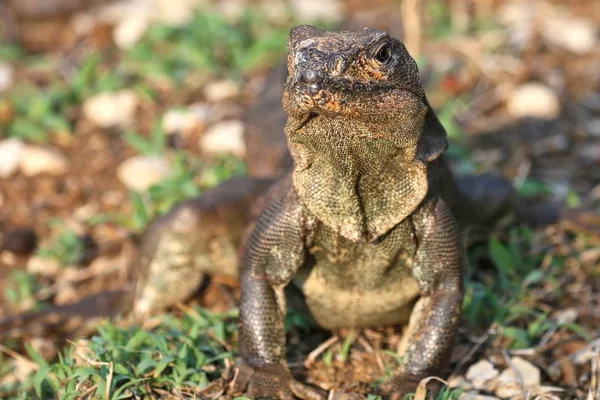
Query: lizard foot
[[272, 382]]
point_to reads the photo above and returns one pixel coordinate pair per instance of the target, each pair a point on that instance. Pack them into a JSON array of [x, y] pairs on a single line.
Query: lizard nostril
[[311, 76]]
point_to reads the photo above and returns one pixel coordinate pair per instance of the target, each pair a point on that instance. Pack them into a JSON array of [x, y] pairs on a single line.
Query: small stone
[[7, 76], [520, 371], [8, 258], [19, 240], [533, 100], [38, 160], [130, 30], [111, 108], [480, 373], [576, 35], [221, 90], [42, 266], [183, 122], [11, 151], [140, 172], [318, 10], [224, 137]]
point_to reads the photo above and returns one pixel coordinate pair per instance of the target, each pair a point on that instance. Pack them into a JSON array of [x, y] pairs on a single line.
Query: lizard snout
[[312, 78]]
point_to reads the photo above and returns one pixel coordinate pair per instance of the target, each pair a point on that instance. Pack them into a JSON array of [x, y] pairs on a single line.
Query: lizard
[[362, 224]]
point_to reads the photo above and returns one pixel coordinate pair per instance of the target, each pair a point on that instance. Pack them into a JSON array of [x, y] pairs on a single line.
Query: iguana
[[364, 224]]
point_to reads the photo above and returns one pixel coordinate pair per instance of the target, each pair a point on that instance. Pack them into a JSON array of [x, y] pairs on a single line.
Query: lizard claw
[[272, 382]]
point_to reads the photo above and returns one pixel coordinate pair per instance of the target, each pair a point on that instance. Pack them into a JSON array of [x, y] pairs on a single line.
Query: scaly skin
[[360, 224]]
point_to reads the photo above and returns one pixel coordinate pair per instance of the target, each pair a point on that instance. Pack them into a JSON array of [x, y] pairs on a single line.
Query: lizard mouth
[[309, 117]]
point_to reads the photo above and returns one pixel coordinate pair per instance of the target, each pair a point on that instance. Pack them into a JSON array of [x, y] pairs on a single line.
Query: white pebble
[[224, 137], [7, 76], [140, 172], [37, 160], [111, 108], [520, 372], [533, 100], [221, 90], [185, 121], [130, 30], [480, 373], [11, 151]]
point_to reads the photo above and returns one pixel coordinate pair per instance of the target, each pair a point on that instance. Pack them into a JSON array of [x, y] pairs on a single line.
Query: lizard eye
[[383, 54]]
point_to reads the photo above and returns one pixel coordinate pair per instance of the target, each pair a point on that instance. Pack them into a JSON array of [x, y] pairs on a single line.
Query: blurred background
[[111, 112]]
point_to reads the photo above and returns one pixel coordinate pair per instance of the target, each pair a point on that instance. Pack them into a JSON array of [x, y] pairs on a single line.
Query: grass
[[67, 248], [179, 356], [21, 288], [503, 297]]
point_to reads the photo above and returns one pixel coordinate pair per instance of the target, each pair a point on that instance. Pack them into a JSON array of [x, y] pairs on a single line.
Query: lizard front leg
[[273, 253], [438, 268]]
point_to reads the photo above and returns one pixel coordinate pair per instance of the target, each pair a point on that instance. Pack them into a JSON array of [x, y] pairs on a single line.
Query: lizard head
[[360, 129], [352, 74]]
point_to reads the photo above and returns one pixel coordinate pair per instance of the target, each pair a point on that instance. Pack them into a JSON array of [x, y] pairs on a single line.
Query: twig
[[515, 370], [594, 390], [478, 343], [312, 356], [19, 357]]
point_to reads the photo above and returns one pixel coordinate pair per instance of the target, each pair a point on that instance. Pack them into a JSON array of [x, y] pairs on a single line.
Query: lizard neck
[[359, 179]]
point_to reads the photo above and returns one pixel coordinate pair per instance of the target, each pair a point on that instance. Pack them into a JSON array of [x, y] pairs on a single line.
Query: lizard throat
[[359, 184]]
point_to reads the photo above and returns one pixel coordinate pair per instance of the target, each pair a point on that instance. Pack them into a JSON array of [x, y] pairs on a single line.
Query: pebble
[[533, 100], [130, 30], [7, 76], [221, 90], [185, 121], [11, 151], [140, 172], [313, 10], [224, 137], [521, 370], [37, 160], [42, 266], [576, 35], [480, 373], [111, 108]]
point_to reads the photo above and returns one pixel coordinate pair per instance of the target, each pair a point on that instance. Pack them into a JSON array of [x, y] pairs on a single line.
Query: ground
[[516, 84]]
